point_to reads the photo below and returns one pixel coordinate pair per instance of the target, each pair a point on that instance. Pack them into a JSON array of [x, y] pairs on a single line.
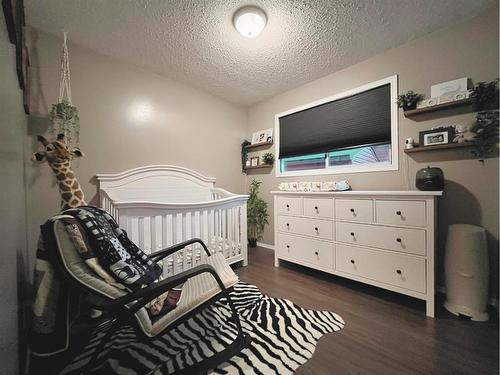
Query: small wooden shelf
[[440, 147], [438, 107], [255, 145], [262, 166]]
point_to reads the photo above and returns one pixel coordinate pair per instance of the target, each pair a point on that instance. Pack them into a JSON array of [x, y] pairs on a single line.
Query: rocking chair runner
[[203, 285]]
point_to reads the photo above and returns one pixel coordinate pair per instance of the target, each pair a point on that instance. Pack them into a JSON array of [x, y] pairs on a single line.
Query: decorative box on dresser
[[381, 238]]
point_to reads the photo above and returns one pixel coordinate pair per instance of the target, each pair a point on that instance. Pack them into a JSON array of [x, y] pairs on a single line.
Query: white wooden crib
[[161, 205]]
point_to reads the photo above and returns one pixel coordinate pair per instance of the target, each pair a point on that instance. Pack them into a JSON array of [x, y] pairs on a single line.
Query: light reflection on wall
[[141, 111]]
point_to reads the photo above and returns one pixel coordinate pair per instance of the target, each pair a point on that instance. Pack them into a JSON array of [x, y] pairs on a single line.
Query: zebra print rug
[[284, 336]]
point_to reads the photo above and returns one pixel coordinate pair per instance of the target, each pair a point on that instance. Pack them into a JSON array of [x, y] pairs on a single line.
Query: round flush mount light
[[249, 21]]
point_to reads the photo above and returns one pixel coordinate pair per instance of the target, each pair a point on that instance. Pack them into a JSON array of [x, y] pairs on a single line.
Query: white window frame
[[376, 167]]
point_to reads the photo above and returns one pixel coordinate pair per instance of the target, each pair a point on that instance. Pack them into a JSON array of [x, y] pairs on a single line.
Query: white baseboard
[[265, 245], [491, 301]]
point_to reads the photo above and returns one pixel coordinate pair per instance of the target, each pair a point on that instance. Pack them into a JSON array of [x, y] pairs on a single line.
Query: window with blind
[[355, 131]]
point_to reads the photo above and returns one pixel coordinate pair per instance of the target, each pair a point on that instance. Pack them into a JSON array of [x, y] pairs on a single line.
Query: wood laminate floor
[[385, 333]]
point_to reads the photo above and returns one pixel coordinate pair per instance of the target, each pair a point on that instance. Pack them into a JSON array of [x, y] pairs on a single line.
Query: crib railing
[[220, 223]]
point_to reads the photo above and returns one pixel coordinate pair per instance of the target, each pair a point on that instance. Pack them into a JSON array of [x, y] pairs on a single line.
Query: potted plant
[[268, 158], [409, 100], [257, 215]]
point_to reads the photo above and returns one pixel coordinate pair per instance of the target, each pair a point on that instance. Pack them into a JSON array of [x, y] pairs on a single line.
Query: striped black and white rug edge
[[284, 336]]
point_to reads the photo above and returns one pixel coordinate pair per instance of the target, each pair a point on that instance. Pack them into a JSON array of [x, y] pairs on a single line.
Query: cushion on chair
[[195, 291], [76, 266]]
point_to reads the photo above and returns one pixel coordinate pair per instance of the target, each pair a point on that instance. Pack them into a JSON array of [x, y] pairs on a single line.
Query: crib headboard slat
[[158, 183]]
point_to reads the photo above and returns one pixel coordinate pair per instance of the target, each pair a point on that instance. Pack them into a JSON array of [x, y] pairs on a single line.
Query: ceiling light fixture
[[249, 21]]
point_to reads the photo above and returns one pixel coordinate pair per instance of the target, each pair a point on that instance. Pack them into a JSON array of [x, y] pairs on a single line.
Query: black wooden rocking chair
[[203, 286]]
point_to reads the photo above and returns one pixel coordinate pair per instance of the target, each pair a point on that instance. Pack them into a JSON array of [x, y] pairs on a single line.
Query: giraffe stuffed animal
[[59, 158]]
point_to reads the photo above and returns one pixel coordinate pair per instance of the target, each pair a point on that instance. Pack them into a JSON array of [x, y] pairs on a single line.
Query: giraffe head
[[59, 156], [56, 151]]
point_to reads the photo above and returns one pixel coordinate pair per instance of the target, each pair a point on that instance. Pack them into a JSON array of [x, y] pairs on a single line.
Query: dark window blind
[[363, 118]]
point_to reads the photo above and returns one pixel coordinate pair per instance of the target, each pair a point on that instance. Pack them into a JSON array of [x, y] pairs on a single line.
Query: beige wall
[[469, 49], [186, 126], [13, 269]]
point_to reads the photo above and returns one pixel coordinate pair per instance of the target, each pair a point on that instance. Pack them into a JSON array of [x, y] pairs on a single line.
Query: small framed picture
[[435, 137], [259, 137], [269, 135], [254, 161]]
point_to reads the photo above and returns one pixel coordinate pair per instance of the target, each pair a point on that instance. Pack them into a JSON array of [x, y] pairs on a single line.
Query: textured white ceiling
[[194, 41]]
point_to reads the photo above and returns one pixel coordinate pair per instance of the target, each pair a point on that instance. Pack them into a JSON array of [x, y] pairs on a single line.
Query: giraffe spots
[[66, 196], [74, 203], [70, 175], [79, 194], [63, 186], [61, 176], [75, 185]]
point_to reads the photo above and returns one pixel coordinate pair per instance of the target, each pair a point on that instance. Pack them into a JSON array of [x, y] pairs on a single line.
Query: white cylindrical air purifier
[[466, 271]]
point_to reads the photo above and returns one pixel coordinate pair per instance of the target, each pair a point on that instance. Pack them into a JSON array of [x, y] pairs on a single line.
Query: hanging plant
[[486, 129], [244, 155], [64, 115], [64, 119], [485, 100], [484, 96]]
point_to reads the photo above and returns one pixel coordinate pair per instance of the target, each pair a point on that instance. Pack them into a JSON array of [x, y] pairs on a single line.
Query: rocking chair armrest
[[144, 295], [160, 254]]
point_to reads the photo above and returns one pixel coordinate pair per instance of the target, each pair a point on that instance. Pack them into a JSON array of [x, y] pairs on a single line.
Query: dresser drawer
[[400, 270], [400, 212], [306, 250], [308, 227], [354, 209], [318, 207], [290, 205], [405, 240]]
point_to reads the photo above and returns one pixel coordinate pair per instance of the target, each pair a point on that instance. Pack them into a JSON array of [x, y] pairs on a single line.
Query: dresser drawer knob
[[287, 225], [287, 246], [352, 210], [316, 208], [352, 234], [398, 213], [398, 272], [352, 261], [288, 206], [316, 253], [316, 229], [398, 240]]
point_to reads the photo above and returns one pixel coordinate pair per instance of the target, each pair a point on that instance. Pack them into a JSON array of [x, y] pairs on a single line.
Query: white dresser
[[382, 238]]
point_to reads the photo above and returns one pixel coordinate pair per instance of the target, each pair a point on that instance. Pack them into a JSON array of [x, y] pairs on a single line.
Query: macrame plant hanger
[[64, 116]]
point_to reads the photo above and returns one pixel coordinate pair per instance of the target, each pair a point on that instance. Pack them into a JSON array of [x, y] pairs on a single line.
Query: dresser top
[[410, 193]]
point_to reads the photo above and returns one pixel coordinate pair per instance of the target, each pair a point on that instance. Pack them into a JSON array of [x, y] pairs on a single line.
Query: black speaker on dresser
[[430, 178]]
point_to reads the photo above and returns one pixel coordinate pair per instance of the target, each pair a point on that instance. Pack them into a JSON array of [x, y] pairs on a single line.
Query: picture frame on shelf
[[254, 161], [16, 29], [269, 135], [439, 136], [258, 137], [263, 136]]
